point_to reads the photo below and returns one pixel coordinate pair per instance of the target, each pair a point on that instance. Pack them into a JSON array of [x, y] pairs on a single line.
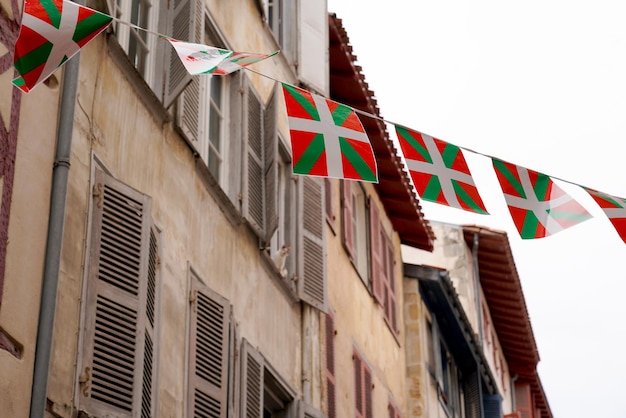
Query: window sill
[[287, 284]]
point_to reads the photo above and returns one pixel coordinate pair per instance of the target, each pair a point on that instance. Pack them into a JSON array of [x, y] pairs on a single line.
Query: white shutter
[[113, 363], [180, 27], [311, 250], [313, 61], [253, 206], [270, 166]]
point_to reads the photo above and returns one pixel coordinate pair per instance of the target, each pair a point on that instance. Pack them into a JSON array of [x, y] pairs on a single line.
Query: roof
[[503, 294], [348, 86]]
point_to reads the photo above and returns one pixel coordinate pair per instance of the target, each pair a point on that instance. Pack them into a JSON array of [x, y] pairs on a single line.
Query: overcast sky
[[541, 84]]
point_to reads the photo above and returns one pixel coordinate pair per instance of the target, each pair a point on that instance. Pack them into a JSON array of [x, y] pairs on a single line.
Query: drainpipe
[[58, 194], [479, 306]]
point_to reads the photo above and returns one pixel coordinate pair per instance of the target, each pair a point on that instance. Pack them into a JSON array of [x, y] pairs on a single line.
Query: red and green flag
[[439, 171], [613, 207], [538, 206], [52, 32], [199, 58], [327, 138]]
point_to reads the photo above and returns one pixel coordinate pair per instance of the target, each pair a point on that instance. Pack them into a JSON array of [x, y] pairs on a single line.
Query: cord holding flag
[[327, 138], [52, 32], [538, 206], [613, 207], [439, 171]]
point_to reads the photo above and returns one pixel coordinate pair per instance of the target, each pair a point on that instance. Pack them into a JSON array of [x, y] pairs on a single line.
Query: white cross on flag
[[613, 207]]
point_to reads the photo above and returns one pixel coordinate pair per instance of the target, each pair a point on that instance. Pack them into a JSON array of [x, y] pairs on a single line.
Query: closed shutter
[[252, 370], [117, 367], [254, 195], [271, 167], [346, 221], [190, 113], [331, 406], [389, 282], [177, 77], [328, 191], [311, 250], [367, 391], [236, 135], [358, 386], [313, 44], [376, 253], [472, 394], [523, 401], [492, 406], [208, 352]]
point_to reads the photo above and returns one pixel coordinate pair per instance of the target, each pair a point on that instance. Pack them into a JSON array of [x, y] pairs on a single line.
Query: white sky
[[541, 84]]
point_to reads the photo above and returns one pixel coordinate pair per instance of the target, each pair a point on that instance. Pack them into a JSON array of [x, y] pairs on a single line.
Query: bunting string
[[327, 137]]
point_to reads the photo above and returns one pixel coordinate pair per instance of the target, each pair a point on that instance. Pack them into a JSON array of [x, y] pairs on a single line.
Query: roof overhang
[[348, 86]]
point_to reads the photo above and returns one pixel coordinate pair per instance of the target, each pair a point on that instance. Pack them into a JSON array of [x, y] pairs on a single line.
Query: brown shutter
[[113, 362], [177, 77], [389, 284], [523, 401], [358, 386], [331, 406], [254, 195], [346, 221], [270, 166], [376, 253], [252, 370], [208, 352], [311, 251], [367, 392], [328, 191]]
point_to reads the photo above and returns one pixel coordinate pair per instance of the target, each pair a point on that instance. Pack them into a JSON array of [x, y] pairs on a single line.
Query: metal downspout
[[58, 194]]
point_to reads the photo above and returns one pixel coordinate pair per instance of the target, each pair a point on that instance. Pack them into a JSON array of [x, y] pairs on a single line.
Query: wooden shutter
[[313, 44], [523, 401], [376, 253], [208, 352], [311, 250], [149, 375], [254, 194], [270, 163], [252, 370], [236, 136], [358, 386], [472, 394], [114, 359], [389, 281], [190, 113], [346, 217], [331, 396], [367, 391], [181, 18]]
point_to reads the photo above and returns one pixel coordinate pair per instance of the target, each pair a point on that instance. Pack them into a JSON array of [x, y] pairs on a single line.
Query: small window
[[355, 227]]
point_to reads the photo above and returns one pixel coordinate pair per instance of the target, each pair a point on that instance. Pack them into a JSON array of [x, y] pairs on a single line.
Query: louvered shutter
[[376, 253], [492, 406], [311, 251], [523, 401], [472, 394], [367, 392], [235, 146], [346, 221], [114, 359], [389, 282], [208, 352], [190, 113], [313, 44], [254, 194], [437, 354], [331, 406], [358, 386], [149, 374], [270, 163], [252, 370], [181, 28]]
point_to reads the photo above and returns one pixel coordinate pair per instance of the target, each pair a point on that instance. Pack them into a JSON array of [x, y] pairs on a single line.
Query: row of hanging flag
[[327, 137]]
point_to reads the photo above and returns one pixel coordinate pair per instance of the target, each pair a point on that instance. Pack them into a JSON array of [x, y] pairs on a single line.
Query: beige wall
[[27, 234], [360, 323]]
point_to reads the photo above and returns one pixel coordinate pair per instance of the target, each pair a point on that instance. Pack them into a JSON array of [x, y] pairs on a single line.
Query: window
[[118, 357], [275, 19], [264, 394], [355, 228], [208, 351], [362, 388], [284, 236], [140, 47]]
